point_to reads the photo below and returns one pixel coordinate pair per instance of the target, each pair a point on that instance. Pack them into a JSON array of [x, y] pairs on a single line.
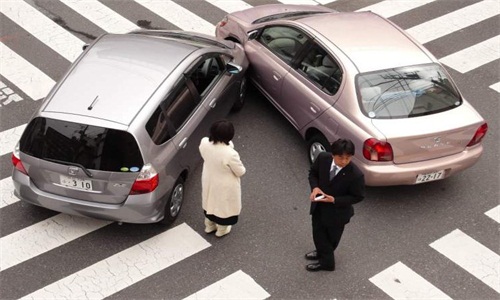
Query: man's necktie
[[333, 171]]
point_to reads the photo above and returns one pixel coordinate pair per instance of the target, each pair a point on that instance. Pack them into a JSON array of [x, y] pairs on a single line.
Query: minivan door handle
[[213, 103], [183, 143]]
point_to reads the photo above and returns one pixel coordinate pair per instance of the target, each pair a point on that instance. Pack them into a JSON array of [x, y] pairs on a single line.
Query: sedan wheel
[[238, 105], [317, 144], [174, 203]]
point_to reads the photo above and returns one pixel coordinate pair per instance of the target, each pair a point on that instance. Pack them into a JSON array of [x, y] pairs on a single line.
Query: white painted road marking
[[44, 236], [178, 15], [235, 286], [495, 87], [455, 21], [42, 28], [494, 213], [391, 8], [400, 282], [9, 139], [125, 268], [7, 192], [101, 15], [230, 6], [24, 75], [475, 56], [471, 255]]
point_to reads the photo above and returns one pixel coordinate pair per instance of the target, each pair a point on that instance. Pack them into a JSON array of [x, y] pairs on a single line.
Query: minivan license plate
[[421, 178], [76, 183]]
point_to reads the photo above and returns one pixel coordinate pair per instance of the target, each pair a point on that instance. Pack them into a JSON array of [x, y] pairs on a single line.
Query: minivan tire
[[174, 202], [242, 91], [318, 143]]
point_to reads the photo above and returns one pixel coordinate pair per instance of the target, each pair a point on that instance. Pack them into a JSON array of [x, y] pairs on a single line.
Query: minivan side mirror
[[233, 68], [253, 34]]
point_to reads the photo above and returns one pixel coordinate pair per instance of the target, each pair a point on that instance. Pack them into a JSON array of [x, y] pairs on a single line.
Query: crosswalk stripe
[[7, 192], [455, 21], [24, 75], [42, 28], [400, 282], [127, 267], [472, 256], [230, 6], [9, 139], [235, 286], [495, 87], [178, 15], [323, 2], [44, 236], [101, 15], [391, 8], [475, 56], [494, 213]]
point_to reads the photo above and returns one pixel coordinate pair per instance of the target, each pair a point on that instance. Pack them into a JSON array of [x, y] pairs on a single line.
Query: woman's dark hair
[[221, 132], [343, 146]]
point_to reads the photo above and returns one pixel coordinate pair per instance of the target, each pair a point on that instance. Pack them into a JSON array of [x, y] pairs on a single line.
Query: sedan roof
[[117, 76], [370, 41]]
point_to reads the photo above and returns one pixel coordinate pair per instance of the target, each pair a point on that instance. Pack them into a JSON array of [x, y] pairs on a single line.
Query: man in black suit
[[336, 185]]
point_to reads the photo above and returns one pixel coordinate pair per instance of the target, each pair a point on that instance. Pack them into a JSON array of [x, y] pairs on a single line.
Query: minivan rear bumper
[[143, 208], [406, 174]]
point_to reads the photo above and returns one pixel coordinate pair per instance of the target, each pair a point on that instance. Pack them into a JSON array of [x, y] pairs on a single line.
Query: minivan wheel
[[317, 144], [174, 203], [242, 91]]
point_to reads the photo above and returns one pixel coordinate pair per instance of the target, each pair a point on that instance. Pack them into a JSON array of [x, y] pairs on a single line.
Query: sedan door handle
[[314, 108], [276, 76], [183, 143], [213, 103]]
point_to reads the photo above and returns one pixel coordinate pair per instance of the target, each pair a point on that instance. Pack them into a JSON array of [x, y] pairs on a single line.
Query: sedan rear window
[[406, 92], [92, 147]]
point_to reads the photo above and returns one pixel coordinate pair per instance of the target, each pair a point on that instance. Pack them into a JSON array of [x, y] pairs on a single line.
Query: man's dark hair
[[221, 132], [343, 146]]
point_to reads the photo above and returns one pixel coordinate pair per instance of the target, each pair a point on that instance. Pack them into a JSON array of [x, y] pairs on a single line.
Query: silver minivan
[[117, 136]]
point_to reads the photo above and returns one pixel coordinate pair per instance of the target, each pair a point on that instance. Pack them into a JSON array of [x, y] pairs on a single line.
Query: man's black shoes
[[318, 267], [313, 255]]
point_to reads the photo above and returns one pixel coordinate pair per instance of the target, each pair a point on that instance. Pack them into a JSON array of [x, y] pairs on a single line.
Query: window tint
[[406, 92], [322, 69], [93, 147], [206, 73], [283, 41], [172, 113]]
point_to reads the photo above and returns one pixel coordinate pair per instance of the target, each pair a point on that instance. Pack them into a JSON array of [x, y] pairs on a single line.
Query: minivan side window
[[284, 41], [319, 67]]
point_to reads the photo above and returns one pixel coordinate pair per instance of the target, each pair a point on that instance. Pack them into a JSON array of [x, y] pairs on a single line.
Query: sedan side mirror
[[232, 68], [253, 34]]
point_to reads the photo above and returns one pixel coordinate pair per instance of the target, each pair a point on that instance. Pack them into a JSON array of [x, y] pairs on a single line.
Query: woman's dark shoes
[[318, 267], [313, 255]]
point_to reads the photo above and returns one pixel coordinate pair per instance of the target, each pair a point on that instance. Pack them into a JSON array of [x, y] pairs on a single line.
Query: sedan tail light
[[16, 161], [146, 182], [376, 150], [478, 136], [223, 22]]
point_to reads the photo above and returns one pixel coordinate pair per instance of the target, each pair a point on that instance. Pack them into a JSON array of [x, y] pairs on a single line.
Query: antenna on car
[[93, 102]]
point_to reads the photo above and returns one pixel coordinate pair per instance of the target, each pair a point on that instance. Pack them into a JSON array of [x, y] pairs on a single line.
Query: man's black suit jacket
[[347, 187]]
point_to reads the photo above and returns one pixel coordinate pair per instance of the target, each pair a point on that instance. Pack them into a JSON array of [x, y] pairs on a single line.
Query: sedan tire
[[317, 144]]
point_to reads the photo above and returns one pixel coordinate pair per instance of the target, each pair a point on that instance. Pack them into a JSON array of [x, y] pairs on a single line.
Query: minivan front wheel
[[242, 91], [317, 144], [174, 202]]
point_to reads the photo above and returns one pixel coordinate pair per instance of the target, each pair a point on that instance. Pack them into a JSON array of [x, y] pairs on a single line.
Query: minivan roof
[[371, 42], [117, 76]]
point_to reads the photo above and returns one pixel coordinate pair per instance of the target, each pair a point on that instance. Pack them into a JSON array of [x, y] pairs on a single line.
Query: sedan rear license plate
[[76, 183], [421, 178]]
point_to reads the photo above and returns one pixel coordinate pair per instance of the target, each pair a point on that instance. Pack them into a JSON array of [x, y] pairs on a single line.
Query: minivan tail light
[[16, 161], [479, 135], [146, 181], [376, 150]]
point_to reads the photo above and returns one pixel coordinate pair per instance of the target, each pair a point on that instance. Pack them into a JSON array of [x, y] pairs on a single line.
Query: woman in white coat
[[220, 179]]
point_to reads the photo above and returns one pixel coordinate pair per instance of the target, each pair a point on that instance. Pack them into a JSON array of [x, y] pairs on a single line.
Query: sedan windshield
[[406, 92]]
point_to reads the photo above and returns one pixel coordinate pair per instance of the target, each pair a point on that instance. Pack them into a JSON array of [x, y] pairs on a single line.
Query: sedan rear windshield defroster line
[[87, 172]]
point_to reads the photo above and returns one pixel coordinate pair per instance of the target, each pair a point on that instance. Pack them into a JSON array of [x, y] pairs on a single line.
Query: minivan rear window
[[406, 92], [93, 147]]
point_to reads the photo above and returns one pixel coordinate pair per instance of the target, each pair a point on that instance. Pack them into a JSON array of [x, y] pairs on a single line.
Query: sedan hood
[[429, 137]]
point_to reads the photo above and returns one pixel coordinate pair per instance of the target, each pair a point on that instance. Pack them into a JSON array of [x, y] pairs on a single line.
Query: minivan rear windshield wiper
[[87, 172]]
